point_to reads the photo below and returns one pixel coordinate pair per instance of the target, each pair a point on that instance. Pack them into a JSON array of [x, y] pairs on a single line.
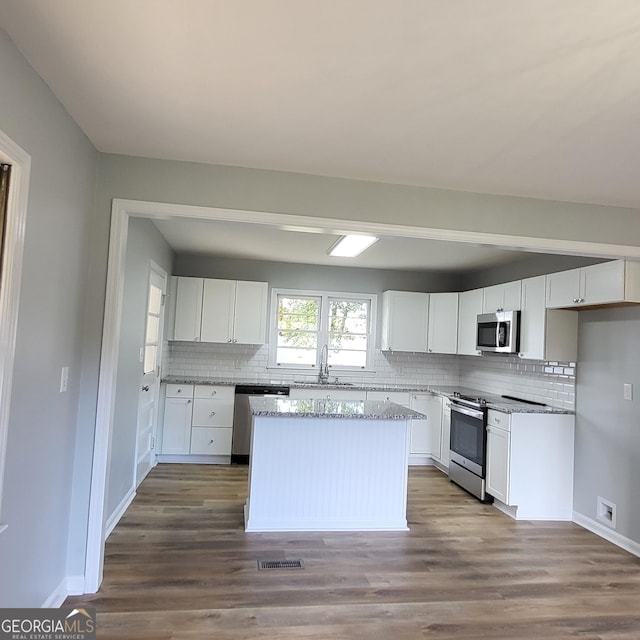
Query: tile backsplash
[[550, 382]]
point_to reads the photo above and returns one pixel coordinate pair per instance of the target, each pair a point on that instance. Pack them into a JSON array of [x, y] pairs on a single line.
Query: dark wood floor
[[180, 566]]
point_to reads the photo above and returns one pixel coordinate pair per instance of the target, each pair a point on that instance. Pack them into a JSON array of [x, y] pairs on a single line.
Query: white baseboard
[[114, 518], [75, 585], [608, 534], [420, 460], [58, 596], [187, 458]]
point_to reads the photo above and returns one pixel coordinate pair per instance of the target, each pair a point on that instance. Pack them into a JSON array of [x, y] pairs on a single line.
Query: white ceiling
[[538, 98], [265, 242]]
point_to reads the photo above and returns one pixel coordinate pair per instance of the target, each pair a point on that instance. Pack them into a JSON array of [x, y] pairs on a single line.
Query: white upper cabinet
[[405, 317], [442, 336], [188, 308], [605, 283], [502, 297], [469, 307], [546, 334], [211, 310]]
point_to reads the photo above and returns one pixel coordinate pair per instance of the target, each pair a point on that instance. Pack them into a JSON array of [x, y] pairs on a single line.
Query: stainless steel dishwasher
[[241, 437]]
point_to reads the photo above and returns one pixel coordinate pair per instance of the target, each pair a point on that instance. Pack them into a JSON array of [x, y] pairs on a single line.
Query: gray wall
[[43, 422], [305, 276], [530, 266], [145, 243], [607, 426]]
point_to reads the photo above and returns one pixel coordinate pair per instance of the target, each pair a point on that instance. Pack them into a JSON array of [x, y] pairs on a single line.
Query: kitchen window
[[305, 321]]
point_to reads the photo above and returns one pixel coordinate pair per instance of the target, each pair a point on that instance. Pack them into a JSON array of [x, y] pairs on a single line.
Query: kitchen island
[[322, 465]]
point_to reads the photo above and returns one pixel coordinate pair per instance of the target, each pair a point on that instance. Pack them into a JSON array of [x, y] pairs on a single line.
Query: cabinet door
[[498, 463], [533, 318], [511, 295], [602, 283], [250, 317], [469, 306], [420, 437], [218, 302], [505, 297], [563, 288], [493, 298], [404, 321], [446, 432], [211, 441], [432, 408], [188, 309], [176, 432], [443, 323]]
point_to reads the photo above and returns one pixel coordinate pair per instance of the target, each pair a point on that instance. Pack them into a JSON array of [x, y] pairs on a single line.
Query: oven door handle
[[474, 413]]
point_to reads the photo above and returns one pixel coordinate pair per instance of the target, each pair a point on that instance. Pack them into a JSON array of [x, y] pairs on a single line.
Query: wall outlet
[[606, 512], [64, 379], [627, 391]]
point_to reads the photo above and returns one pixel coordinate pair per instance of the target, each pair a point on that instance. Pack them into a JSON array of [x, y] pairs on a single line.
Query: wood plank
[[179, 565]]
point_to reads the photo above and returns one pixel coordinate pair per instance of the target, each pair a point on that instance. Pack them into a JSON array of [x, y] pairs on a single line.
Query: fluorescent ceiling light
[[350, 246]]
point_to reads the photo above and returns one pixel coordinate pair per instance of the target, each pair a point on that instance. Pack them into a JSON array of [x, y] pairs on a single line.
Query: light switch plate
[[627, 391]]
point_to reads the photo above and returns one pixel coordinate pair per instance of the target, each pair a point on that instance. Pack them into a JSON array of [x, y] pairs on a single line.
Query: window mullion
[[323, 332]]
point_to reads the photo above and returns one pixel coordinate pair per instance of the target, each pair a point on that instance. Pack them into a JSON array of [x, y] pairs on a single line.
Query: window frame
[[323, 330]]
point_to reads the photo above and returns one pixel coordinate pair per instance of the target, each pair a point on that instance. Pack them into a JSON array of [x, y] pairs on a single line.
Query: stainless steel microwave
[[498, 332]]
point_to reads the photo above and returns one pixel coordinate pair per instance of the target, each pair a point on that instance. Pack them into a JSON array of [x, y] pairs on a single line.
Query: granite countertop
[[493, 401], [343, 409]]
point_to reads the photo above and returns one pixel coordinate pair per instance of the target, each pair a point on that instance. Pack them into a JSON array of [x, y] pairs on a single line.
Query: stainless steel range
[[468, 446]]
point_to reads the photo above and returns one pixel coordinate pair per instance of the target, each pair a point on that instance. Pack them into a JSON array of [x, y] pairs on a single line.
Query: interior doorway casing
[[122, 210], [10, 283]]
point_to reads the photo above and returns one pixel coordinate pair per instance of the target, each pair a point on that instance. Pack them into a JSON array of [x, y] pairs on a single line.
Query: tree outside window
[[307, 322]]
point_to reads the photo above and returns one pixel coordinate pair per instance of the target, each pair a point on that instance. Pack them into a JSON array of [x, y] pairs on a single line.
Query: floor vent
[[280, 564]]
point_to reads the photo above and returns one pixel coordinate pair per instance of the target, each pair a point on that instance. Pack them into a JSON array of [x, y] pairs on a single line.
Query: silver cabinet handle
[[178, 390], [146, 387], [188, 401], [210, 441], [213, 413]]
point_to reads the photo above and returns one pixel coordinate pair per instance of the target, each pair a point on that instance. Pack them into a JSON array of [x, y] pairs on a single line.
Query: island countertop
[[283, 407]]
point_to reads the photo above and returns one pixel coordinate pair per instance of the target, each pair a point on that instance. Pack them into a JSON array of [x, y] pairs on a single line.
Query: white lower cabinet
[[420, 434], [198, 420], [214, 441], [306, 393], [498, 459], [530, 464], [176, 433], [446, 432]]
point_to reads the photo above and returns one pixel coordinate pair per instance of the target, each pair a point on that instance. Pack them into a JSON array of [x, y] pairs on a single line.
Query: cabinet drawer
[[179, 391], [499, 419], [212, 413], [211, 441], [208, 391], [399, 397]]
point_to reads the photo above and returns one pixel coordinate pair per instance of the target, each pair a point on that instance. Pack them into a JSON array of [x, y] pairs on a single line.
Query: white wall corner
[[607, 533], [58, 596], [75, 585]]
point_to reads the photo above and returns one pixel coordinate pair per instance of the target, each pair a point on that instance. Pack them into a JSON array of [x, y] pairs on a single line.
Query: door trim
[[154, 268], [10, 283]]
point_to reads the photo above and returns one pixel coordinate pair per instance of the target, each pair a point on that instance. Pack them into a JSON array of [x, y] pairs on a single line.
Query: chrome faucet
[[323, 373]]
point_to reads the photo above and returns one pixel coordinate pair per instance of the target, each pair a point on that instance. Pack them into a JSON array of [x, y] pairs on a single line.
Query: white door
[[150, 381]]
